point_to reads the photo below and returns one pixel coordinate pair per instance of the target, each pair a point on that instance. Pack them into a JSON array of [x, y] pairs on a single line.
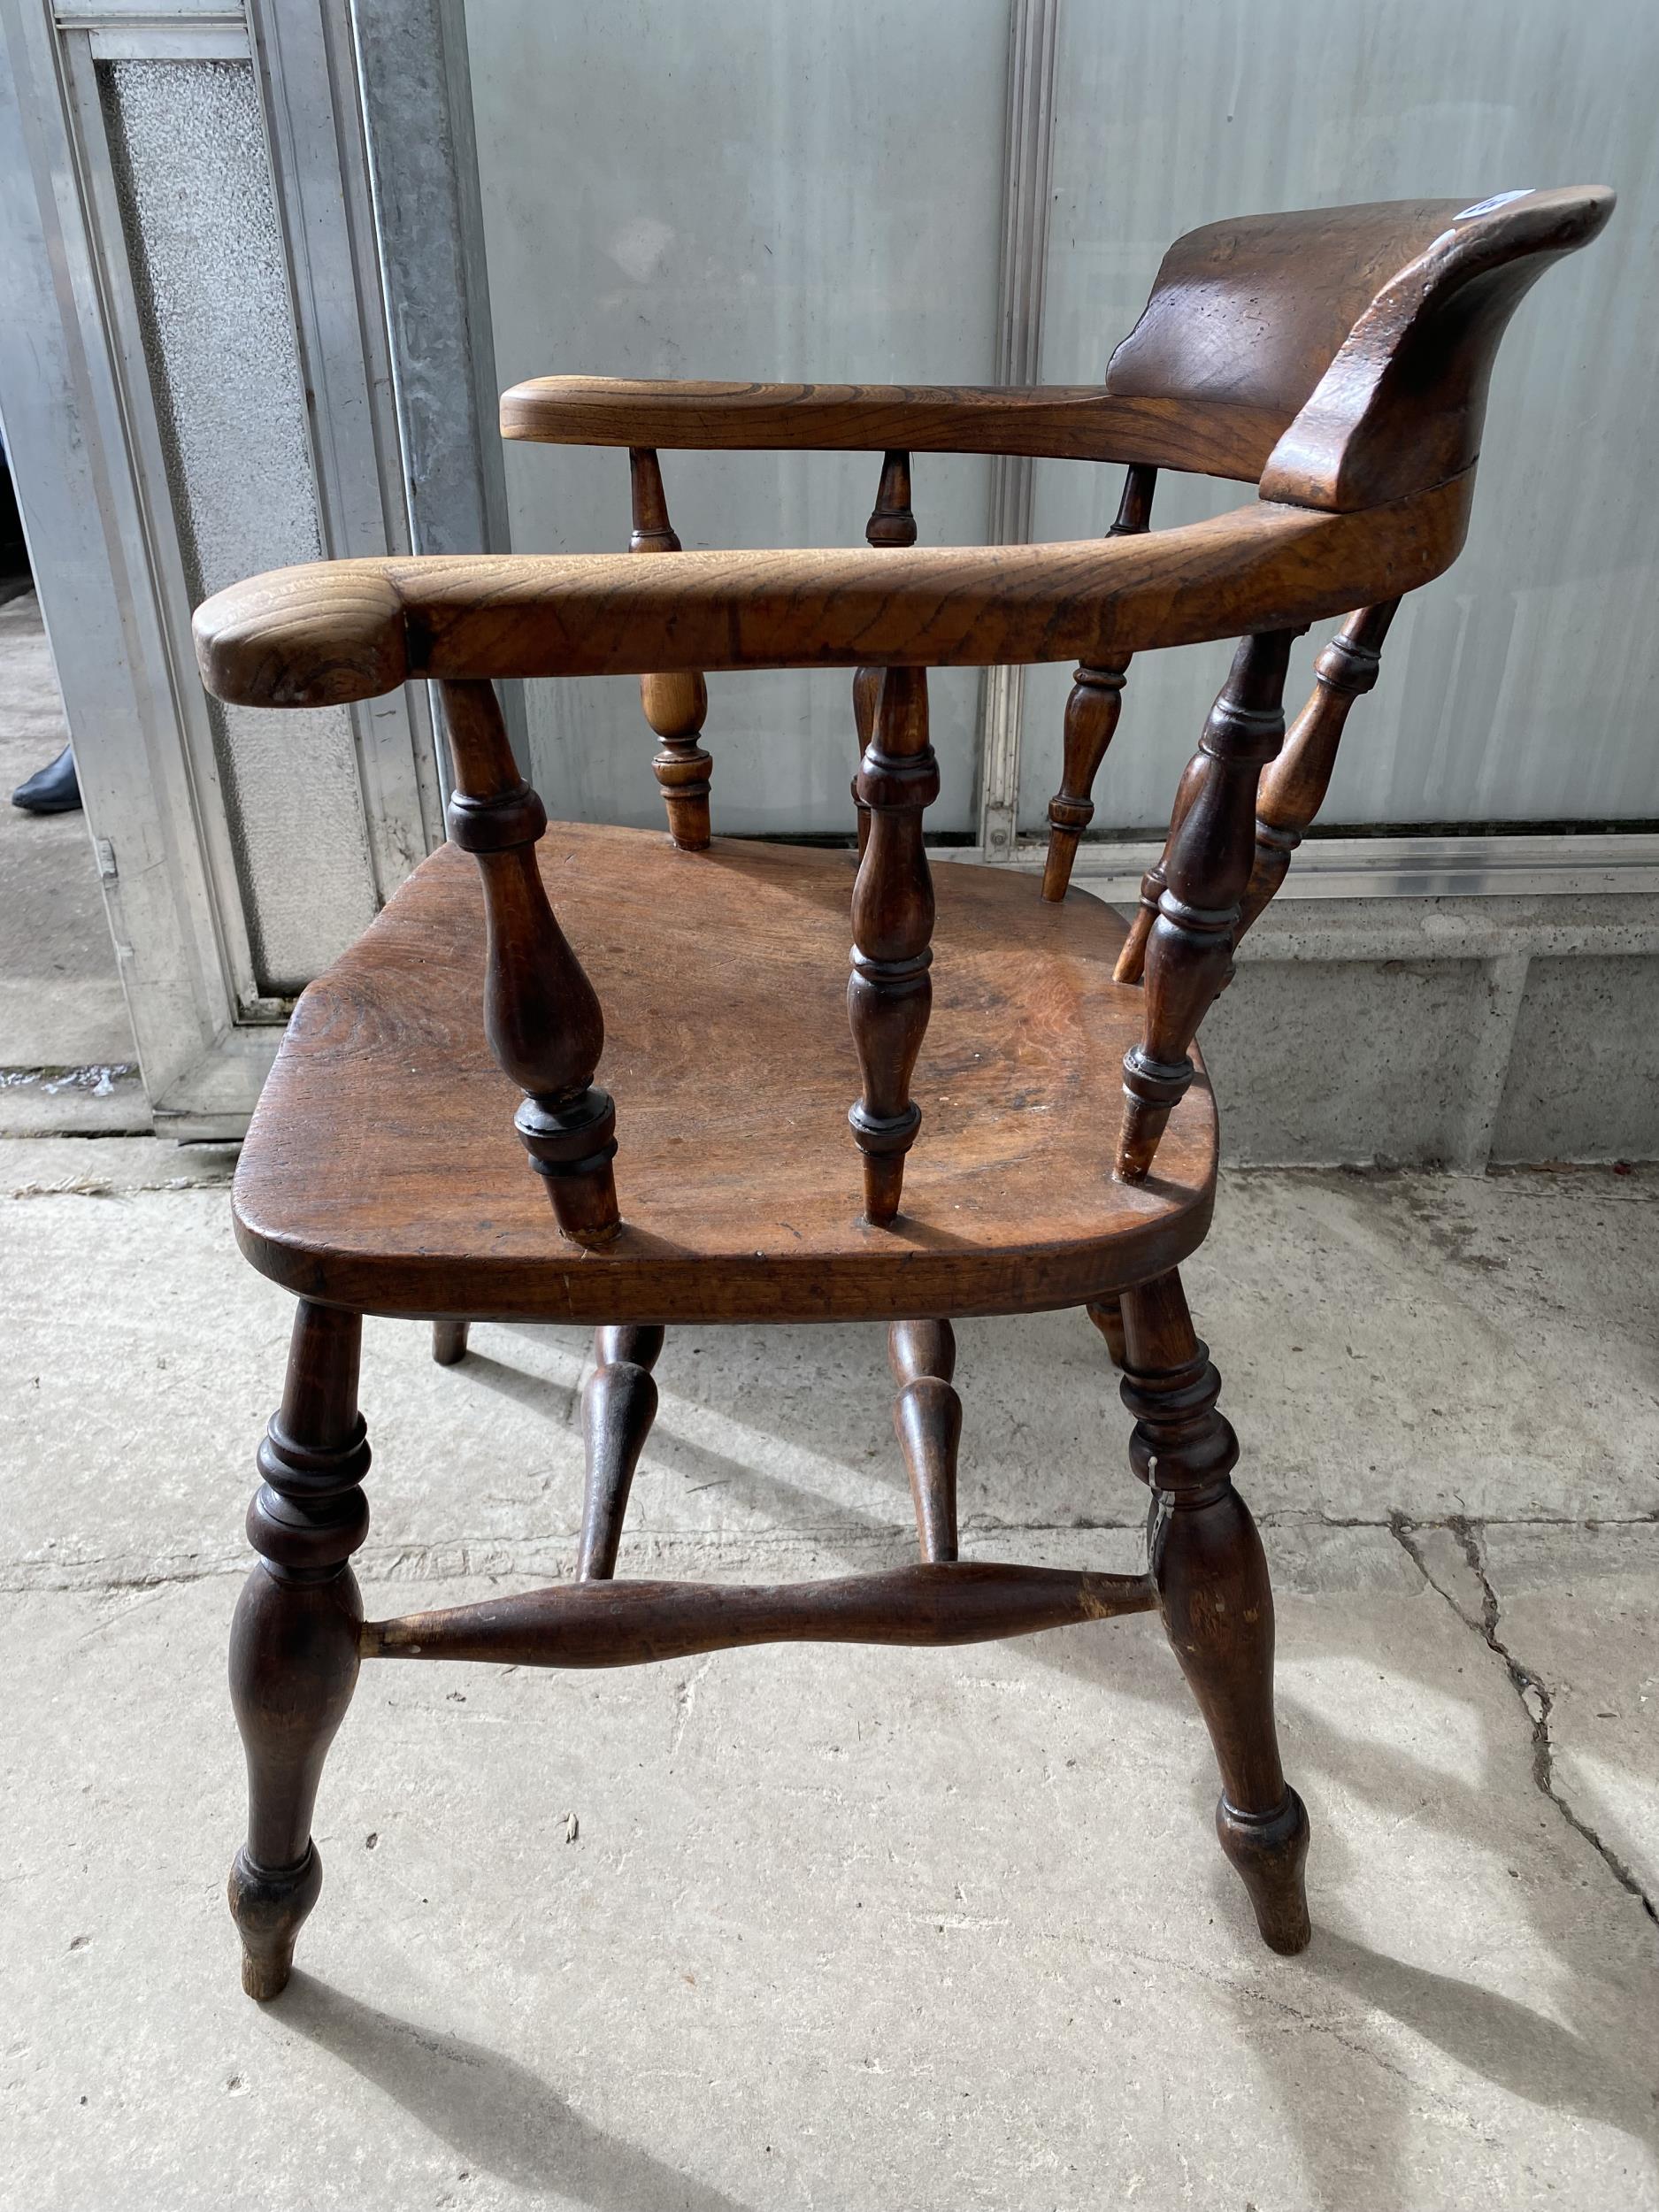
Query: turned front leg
[[927, 1420], [676, 704], [540, 1014], [619, 1405], [1092, 712], [891, 522], [1208, 865], [890, 994], [1207, 1564], [294, 1640]]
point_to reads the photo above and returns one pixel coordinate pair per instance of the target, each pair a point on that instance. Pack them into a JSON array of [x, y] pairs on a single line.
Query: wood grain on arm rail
[[1066, 422], [336, 631]]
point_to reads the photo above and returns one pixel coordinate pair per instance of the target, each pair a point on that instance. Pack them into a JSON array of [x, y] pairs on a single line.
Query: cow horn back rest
[[1341, 354]]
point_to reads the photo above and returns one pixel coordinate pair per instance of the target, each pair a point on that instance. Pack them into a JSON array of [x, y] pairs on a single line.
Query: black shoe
[[52, 790]]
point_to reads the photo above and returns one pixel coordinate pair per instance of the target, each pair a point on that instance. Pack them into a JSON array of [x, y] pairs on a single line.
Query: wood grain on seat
[[381, 1169]]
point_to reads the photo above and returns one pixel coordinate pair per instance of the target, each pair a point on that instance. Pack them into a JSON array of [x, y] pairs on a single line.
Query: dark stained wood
[[1214, 1598], [1405, 399], [927, 1420], [1133, 959], [341, 630], [1207, 864], [449, 1342], [866, 692], [1293, 787], [541, 1013], [891, 522], [619, 1405], [1107, 1314], [381, 1171], [676, 704], [890, 992], [1341, 356], [1091, 715], [628, 1623], [294, 1640], [1074, 422]]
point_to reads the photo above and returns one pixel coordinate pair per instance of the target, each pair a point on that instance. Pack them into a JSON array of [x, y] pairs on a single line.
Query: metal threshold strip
[[1487, 866]]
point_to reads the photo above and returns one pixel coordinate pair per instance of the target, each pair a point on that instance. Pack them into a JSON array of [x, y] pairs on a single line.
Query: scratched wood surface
[[382, 1169]]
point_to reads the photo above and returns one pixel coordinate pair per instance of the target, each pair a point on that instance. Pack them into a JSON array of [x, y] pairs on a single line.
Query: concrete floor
[[830, 1927], [61, 1005]]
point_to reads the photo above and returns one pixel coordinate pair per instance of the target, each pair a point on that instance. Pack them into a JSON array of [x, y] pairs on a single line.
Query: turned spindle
[[891, 522], [540, 1014], [890, 994], [619, 1405], [1206, 1563], [1091, 713], [927, 1420], [1207, 867], [1133, 959], [1293, 787], [676, 705]]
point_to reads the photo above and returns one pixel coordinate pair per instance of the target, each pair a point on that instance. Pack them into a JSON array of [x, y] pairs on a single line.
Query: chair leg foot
[[1268, 1853], [449, 1342], [295, 1641], [269, 1908], [1207, 1563]]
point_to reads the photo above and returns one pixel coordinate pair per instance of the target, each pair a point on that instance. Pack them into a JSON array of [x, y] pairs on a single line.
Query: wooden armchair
[[1339, 360]]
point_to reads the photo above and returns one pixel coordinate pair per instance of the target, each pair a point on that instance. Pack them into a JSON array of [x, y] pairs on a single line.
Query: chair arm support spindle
[[1293, 787], [891, 524], [541, 1016], [676, 704], [1207, 867], [889, 993], [1092, 713]]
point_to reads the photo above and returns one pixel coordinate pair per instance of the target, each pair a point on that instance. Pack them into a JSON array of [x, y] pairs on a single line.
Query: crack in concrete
[[1536, 1702], [501, 1554]]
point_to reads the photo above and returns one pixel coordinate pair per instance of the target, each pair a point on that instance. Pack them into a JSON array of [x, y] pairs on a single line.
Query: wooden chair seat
[[382, 1172]]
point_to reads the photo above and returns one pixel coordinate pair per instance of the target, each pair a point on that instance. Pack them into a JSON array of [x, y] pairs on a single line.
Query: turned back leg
[[449, 1342], [294, 1641], [927, 1420], [1214, 1597], [619, 1405]]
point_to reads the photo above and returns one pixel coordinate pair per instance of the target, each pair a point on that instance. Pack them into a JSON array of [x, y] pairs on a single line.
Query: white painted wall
[[759, 188], [748, 189]]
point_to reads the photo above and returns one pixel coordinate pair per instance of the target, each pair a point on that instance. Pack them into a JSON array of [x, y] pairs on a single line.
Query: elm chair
[[1335, 360]]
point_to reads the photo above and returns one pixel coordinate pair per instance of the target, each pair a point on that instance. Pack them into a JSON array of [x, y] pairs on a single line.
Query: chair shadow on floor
[[494, 2114], [1305, 2020]]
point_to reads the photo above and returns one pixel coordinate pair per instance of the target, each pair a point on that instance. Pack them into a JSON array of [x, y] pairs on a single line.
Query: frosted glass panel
[[1522, 686], [193, 179], [758, 190]]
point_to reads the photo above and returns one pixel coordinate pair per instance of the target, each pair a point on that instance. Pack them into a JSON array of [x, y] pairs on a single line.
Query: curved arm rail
[[1066, 422], [336, 631]]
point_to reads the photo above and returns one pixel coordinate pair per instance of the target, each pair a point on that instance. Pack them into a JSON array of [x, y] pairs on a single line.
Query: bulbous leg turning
[[1206, 1561], [293, 1645]]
